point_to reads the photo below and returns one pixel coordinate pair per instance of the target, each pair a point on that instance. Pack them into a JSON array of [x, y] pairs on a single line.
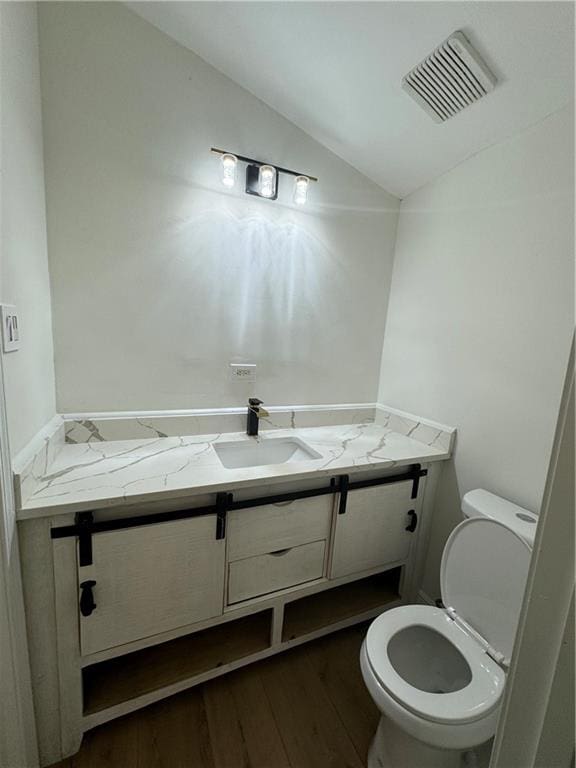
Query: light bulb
[[267, 180], [229, 163], [301, 189]]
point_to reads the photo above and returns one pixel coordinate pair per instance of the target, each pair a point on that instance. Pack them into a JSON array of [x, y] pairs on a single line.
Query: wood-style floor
[[304, 708]]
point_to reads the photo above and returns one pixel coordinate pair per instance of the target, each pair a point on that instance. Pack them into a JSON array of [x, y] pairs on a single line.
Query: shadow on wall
[[447, 515]]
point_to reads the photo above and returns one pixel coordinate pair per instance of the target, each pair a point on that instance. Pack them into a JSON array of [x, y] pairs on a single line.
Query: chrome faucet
[[255, 412]]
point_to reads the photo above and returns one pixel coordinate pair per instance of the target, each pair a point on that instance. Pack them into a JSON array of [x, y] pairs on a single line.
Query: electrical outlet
[[243, 371], [10, 328]]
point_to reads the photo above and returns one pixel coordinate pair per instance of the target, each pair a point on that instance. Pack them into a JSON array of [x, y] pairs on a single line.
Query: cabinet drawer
[[259, 530], [259, 575]]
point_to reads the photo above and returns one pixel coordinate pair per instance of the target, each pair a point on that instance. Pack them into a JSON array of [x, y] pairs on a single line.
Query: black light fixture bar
[[252, 161]]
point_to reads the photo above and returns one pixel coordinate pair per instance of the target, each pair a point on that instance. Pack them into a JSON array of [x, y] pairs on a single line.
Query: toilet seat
[[472, 702]]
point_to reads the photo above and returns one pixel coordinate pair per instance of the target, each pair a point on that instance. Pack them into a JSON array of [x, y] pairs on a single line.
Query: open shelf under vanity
[[120, 679], [127, 682], [306, 615]]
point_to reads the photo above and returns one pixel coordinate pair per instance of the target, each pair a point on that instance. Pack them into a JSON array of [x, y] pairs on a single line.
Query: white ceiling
[[334, 69]]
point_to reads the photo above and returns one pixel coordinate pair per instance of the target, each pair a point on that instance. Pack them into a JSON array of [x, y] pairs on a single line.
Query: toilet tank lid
[[481, 503]]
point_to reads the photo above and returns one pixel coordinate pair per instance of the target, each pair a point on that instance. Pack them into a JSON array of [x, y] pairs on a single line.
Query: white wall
[[160, 276], [27, 376], [29, 373], [536, 724], [481, 315]]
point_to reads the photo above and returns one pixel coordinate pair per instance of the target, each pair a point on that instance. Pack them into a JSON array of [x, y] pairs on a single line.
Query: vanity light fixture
[[267, 180], [301, 189], [229, 163], [262, 179]]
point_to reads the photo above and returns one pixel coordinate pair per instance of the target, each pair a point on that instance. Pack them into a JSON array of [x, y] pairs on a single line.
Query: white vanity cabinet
[[151, 579], [147, 604], [155, 578], [374, 530], [276, 546]]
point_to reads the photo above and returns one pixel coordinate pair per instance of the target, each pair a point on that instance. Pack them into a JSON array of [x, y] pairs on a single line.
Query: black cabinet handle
[[413, 521], [223, 501], [87, 604], [343, 491]]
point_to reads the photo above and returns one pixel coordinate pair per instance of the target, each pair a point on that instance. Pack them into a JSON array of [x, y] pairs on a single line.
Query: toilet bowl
[[438, 675]]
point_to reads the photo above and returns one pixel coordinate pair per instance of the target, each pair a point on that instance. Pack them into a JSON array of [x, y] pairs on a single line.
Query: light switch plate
[[10, 328]]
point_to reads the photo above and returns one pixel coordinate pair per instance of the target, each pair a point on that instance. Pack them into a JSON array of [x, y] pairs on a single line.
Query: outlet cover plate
[[243, 371]]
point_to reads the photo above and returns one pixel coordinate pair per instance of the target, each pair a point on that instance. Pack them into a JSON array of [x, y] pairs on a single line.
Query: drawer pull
[[280, 552]]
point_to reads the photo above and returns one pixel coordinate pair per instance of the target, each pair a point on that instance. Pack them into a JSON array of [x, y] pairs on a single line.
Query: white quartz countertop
[[95, 475]]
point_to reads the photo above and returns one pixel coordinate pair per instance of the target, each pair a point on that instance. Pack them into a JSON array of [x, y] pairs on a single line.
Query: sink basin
[[272, 450]]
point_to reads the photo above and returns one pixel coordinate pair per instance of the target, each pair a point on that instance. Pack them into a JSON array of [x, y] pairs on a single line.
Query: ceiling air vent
[[451, 78]]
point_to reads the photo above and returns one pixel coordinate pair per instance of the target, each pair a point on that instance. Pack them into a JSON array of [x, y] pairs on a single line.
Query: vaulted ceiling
[[335, 70]]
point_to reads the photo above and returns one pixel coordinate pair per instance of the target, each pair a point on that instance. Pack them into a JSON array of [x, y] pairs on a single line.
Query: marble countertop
[[96, 475]]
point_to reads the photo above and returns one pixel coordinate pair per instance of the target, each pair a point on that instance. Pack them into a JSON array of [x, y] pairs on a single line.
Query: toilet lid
[[483, 577]]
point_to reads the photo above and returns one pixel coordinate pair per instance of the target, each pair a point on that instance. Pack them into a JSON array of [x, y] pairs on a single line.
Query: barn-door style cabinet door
[[376, 528], [150, 579]]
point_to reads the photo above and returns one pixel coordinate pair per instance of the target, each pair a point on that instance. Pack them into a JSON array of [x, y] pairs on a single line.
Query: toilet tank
[[481, 503]]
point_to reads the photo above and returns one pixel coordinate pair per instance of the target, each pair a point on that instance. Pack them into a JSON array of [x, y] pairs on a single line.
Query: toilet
[[437, 675]]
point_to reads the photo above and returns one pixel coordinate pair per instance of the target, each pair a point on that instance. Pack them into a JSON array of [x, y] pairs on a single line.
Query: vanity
[[153, 565]]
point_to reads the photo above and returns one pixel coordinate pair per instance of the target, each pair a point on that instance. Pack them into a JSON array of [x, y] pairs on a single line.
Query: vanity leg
[[58, 735], [69, 668], [40, 603], [277, 619]]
